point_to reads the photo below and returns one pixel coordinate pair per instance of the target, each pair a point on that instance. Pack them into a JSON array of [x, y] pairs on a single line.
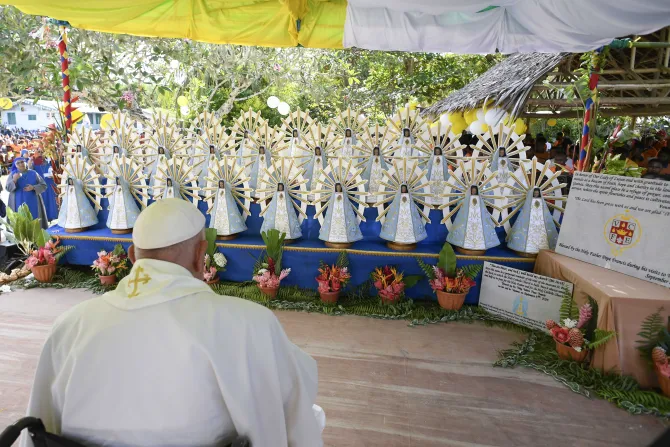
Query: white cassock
[[347, 149], [376, 174], [338, 227], [164, 361], [474, 233], [221, 222], [405, 149]]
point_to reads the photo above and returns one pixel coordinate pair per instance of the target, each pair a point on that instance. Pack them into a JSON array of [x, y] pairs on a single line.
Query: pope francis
[[164, 361]]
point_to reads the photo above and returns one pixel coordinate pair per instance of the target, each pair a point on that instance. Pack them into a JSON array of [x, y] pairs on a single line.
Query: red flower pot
[[329, 297], [270, 292], [107, 280], [450, 301], [44, 273], [568, 353]]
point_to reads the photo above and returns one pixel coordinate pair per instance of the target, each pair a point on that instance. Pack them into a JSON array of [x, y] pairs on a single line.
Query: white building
[[31, 115]]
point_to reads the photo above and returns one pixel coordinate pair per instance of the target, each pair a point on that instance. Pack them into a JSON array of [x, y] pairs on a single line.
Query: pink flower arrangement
[[109, 264], [41, 256], [389, 283], [332, 278], [443, 283], [210, 274], [267, 279], [560, 334]]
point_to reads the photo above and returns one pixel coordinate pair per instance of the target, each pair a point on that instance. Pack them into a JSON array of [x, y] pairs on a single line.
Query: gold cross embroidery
[[137, 280]]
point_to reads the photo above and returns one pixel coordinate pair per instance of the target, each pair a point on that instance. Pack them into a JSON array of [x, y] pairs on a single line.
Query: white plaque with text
[[522, 297], [620, 223]]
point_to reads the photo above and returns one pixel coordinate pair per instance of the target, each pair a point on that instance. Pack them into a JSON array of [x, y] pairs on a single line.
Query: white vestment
[[221, 222], [164, 361], [376, 174], [405, 229], [169, 192], [338, 228], [281, 217], [119, 221], [405, 149], [474, 233], [436, 181], [537, 232], [72, 219]]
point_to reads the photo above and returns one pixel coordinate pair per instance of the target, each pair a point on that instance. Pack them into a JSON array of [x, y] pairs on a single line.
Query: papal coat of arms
[[622, 231]]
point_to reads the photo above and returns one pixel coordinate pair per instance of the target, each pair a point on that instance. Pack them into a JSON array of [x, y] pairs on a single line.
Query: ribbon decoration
[[65, 75], [589, 112]]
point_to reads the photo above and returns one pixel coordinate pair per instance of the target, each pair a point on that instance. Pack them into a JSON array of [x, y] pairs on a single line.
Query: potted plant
[[450, 283], [332, 279], [577, 332], [111, 266], [391, 284], [653, 347], [267, 270], [215, 262], [24, 231], [43, 261]]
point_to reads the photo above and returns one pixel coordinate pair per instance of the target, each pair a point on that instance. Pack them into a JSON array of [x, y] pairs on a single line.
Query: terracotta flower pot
[[270, 292], [390, 300], [329, 297], [450, 301], [107, 280], [44, 273], [567, 353], [213, 281], [663, 382]]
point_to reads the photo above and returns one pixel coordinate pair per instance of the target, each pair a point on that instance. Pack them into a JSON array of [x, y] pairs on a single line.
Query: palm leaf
[[447, 260], [426, 268], [471, 271]]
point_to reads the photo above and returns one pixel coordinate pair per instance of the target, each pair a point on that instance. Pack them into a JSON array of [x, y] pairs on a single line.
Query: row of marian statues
[[404, 173]]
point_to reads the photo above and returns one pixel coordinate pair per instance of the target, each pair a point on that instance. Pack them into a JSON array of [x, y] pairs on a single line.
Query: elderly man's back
[[164, 361]]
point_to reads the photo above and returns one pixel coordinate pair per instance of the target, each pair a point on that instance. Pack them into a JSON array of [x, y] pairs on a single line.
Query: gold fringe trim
[[325, 250]]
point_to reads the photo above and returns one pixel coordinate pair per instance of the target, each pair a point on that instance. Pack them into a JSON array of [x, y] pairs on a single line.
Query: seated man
[[164, 361]]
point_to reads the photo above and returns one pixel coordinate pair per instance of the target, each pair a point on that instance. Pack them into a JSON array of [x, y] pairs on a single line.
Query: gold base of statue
[[126, 231], [75, 230], [468, 252], [227, 237], [525, 255], [401, 247], [339, 245]]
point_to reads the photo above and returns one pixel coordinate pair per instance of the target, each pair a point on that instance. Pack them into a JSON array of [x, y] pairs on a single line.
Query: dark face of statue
[[437, 151], [118, 181], [338, 187], [161, 150], [405, 133], [221, 184], [79, 148], [70, 182], [536, 193], [211, 149], [116, 149], [261, 150], [295, 133], [501, 152], [317, 151], [403, 189], [347, 133], [169, 182], [375, 151], [474, 191], [280, 186]]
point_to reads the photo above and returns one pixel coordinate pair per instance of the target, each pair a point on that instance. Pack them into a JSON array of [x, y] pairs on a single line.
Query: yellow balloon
[[76, 116], [470, 116], [106, 120], [456, 117], [6, 103], [402, 110], [520, 126], [458, 127], [434, 125], [551, 122], [182, 101]]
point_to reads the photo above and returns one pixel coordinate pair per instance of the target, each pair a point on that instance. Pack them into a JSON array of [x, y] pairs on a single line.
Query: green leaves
[[471, 271], [26, 231], [274, 247], [569, 308], [653, 332], [210, 236], [426, 268], [447, 260]]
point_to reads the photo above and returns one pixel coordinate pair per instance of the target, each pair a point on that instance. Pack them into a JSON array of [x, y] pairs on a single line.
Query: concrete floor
[[382, 383]]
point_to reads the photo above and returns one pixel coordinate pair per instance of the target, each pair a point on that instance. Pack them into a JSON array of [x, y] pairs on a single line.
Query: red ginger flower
[[585, 314], [576, 338], [560, 334], [550, 324], [659, 356]]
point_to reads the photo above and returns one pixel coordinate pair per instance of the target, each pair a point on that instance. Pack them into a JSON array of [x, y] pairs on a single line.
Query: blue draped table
[[303, 255]]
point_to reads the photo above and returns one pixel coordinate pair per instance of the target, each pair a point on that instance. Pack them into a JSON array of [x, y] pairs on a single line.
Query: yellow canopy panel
[[272, 23]]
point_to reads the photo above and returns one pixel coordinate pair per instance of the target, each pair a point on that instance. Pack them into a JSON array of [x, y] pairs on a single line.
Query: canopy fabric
[[460, 26]]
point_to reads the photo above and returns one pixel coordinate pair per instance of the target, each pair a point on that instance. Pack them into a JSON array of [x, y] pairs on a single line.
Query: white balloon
[[283, 108], [174, 65], [184, 110], [444, 119], [493, 116], [477, 127], [273, 102], [480, 115], [494, 129]]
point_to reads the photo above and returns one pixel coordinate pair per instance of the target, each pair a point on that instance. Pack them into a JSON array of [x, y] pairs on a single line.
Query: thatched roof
[[508, 83]]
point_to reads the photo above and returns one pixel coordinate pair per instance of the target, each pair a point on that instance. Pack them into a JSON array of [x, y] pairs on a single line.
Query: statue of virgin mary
[[280, 214], [76, 212], [473, 229], [500, 164], [438, 174], [340, 224], [404, 224], [348, 143], [534, 228], [226, 217], [123, 210], [228, 197], [405, 144]]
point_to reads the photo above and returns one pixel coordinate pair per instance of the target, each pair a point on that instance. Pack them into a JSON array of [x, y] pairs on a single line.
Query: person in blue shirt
[[26, 186]]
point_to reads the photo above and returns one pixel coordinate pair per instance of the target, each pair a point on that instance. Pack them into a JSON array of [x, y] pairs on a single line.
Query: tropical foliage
[[445, 276], [24, 231]]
